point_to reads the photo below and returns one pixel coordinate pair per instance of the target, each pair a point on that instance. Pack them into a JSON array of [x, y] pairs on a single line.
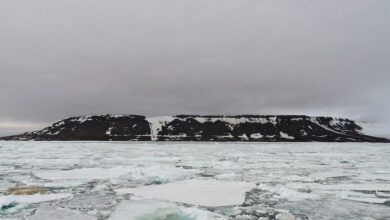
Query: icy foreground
[[196, 192], [194, 181]]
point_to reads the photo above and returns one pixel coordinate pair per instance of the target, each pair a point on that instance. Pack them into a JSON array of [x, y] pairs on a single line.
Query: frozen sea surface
[[194, 181]]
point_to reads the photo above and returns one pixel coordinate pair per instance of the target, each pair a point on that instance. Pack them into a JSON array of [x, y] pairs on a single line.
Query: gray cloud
[[68, 57]]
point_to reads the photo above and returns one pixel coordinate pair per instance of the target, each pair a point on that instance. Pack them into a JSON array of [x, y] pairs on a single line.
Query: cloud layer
[[70, 57]]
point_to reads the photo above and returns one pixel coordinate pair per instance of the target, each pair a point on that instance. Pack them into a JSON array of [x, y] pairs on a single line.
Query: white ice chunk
[[356, 187], [152, 210], [155, 172], [5, 185], [64, 184], [329, 174], [362, 197], [382, 195], [26, 199], [196, 192], [161, 173], [84, 173], [49, 213], [285, 216], [37, 198], [288, 194]]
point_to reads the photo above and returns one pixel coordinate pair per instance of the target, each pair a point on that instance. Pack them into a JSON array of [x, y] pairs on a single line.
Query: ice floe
[[157, 173], [243, 180], [37, 198], [84, 173], [353, 187], [52, 212], [12, 203], [287, 194], [196, 192], [153, 210]]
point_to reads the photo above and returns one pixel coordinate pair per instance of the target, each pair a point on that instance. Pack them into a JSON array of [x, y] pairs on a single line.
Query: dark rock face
[[99, 127], [203, 128]]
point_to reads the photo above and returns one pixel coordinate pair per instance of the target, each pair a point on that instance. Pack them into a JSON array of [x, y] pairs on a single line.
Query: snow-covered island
[[286, 128]]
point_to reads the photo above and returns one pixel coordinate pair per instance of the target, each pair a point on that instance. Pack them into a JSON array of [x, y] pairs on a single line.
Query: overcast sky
[[73, 57]]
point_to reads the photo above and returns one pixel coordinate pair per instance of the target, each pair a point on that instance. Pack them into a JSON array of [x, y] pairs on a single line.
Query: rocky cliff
[[203, 128]]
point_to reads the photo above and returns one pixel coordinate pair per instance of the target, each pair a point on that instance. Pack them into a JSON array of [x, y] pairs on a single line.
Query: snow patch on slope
[[156, 124], [286, 136]]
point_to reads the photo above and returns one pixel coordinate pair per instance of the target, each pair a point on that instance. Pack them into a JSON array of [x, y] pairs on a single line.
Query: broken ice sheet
[[281, 192], [84, 173], [337, 209], [156, 173], [13, 203], [211, 193], [153, 210], [341, 187], [295, 172], [52, 212]]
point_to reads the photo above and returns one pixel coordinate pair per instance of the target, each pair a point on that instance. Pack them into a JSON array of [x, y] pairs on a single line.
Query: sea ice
[[52, 212], [37, 198], [157, 173], [84, 173], [153, 210], [311, 180], [355, 187], [12, 203], [287, 194], [328, 174], [195, 192]]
